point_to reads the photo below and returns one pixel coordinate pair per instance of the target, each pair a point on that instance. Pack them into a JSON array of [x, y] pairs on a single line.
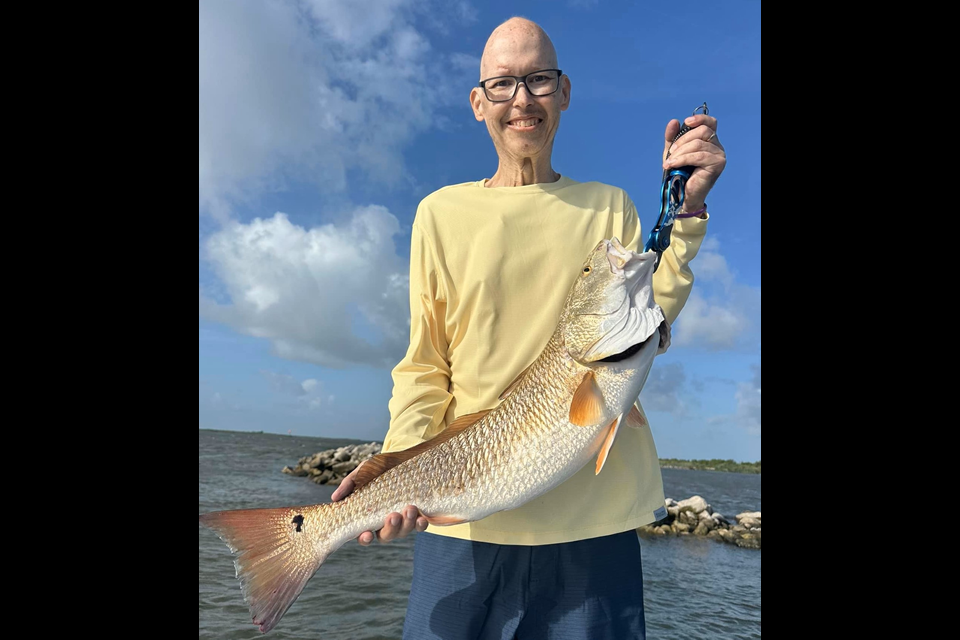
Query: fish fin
[[444, 521], [587, 405], [635, 418], [276, 554], [515, 382], [607, 443], [380, 464], [664, 329]]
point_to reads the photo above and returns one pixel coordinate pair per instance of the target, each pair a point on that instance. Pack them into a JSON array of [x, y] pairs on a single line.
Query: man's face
[[525, 125]]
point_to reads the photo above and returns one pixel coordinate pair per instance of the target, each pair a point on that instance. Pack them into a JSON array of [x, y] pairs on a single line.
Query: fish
[[561, 412]]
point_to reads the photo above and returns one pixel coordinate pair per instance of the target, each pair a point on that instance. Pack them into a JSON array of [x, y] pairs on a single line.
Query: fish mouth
[[624, 355]]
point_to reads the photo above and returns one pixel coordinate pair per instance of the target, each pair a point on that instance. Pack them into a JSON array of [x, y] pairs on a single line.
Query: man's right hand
[[395, 525]]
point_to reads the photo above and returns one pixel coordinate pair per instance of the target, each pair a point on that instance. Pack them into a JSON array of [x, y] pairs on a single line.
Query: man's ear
[[476, 96], [564, 92]]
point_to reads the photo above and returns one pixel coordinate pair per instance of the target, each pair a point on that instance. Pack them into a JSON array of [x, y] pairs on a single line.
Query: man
[[490, 267]]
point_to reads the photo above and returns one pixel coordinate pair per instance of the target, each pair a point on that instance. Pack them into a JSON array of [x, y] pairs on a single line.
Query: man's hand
[[395, 525], [699, 148]]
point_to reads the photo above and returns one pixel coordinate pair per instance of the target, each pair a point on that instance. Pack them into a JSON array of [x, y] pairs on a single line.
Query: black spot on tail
[[298, 520]]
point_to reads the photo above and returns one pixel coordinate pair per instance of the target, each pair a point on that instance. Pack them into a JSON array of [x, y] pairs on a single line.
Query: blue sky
[[322, 125]]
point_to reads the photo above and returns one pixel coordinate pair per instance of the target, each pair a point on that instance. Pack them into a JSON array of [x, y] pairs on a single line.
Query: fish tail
[[277, 552]]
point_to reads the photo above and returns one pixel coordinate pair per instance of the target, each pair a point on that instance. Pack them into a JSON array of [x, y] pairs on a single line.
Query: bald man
[[490, 266]]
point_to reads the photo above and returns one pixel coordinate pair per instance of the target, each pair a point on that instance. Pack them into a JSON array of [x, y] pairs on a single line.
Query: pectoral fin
[[587, 405], [607, 443], [635, 419]]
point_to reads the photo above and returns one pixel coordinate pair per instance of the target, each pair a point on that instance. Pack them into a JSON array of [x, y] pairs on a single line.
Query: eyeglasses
[[538, 83]]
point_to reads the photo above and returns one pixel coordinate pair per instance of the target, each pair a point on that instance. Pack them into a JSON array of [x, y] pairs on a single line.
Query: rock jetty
[[695, 517], [692, 516], [333, 465]]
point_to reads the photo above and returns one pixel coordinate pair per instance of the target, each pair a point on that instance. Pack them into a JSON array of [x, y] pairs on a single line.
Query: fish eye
[[586, 269]]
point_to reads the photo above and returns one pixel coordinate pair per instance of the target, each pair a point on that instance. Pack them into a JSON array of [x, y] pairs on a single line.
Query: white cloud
[[334, 295], [662, 390], [721, 313], [308, 393], [713, 326], [308, 91]]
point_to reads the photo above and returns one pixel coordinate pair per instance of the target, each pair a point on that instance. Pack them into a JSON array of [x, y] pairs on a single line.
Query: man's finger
[[347, 485], [345, 489], [673, 128], [409, 520], [700, 119], [391, 526]]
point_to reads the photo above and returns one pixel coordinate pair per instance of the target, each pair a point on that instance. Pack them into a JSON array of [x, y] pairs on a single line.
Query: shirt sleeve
[[673, 280], [421, 381]]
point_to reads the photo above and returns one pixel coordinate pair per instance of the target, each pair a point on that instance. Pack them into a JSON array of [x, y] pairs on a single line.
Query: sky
[[323, 123]]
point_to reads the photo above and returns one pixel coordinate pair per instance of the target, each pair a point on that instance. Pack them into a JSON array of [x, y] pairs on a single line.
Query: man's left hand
[[699, 148]]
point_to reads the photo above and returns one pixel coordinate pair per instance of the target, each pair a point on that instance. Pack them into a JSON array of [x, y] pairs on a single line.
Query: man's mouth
[[524, 124]]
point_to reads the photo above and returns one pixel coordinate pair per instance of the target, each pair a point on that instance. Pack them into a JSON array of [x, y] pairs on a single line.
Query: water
[[693, 588]]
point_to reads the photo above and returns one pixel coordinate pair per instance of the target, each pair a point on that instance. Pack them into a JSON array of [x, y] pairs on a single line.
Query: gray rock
[[695, 504], [343, 468]]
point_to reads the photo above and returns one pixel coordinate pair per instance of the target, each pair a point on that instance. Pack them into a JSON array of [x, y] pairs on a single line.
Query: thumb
[[673, 128], [346, 485]]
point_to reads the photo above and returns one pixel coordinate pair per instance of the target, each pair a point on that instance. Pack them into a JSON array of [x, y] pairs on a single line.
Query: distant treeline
[[711, 465]]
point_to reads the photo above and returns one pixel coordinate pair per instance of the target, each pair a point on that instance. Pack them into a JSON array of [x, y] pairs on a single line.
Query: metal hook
[[706, 111]]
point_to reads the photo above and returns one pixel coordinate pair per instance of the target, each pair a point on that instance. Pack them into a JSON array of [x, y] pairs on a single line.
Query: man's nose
[[526, 98]]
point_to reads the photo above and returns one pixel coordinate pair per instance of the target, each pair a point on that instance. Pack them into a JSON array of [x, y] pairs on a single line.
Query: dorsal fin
[[587, 405], [379, 464], [515, 382]]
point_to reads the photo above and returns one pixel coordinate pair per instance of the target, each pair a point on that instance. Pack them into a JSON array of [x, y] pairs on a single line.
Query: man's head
[[525, 125]]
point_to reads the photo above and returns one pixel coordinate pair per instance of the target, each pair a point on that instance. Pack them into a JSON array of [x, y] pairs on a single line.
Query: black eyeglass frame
[[516, 87]]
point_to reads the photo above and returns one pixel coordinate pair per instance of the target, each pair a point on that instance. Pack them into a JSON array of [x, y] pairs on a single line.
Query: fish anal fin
[[381, 463], [444, 521], [515, 382], [607, 443], [635, 419], [587, 405]]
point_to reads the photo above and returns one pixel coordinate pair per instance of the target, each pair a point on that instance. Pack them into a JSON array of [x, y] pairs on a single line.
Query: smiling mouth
[[524, 124]]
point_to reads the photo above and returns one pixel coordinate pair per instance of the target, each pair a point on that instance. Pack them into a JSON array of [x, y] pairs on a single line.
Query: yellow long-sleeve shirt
[[490, 269]]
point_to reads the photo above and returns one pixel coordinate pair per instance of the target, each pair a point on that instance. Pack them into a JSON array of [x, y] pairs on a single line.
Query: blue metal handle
[[672, 193]]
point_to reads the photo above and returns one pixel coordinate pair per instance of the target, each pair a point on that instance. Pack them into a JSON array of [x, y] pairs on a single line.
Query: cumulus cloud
[[307, 91], [309, 392], [334, 295], [721, 313], [662, 391]]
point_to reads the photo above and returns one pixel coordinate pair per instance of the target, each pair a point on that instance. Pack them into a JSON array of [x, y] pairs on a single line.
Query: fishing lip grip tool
[[672, 193]]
